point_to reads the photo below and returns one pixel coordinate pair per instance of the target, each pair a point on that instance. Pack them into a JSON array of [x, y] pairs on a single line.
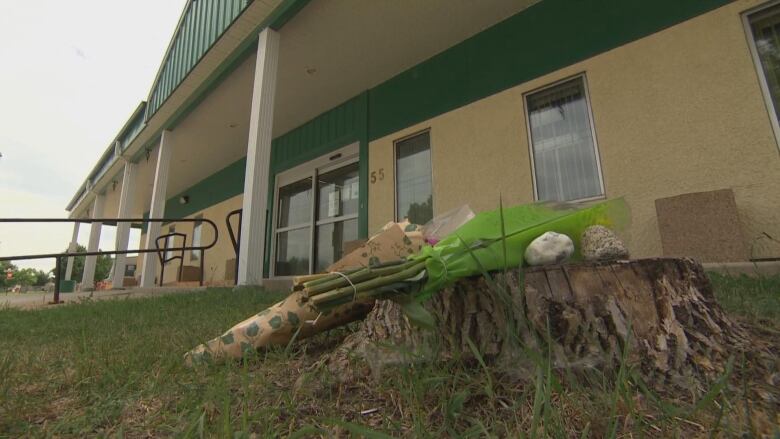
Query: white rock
[[550, 248]]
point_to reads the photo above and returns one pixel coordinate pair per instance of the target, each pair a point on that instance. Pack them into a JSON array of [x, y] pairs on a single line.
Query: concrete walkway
[[34, 300]]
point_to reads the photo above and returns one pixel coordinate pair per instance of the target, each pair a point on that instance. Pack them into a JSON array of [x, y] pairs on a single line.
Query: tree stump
[[660, 312]]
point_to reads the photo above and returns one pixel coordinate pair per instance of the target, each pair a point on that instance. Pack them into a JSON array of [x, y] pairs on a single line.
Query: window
[[293, 239], [317, 213], [196, 233], [170, 242], [563, 147], [413, 183], [337, 213], [764, 29]]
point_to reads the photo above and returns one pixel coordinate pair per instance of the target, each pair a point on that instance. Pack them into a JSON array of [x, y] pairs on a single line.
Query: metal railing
[[164, 259], [59, 256], [235, 238]]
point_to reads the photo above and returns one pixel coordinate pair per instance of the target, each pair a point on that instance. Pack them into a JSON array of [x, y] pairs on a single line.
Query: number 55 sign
[[377, 175]]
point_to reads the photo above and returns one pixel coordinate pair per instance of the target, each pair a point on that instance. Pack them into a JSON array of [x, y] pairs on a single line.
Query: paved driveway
[[33, 300]]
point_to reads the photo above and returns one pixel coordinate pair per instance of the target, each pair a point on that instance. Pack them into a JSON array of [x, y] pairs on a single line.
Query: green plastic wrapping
[[478, 245]]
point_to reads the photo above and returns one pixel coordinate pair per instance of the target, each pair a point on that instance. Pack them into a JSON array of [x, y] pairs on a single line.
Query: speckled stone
[[601, 244], [549, 248]]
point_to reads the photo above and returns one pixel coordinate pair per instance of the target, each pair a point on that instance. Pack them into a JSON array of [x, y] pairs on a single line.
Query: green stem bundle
[[361, 284]]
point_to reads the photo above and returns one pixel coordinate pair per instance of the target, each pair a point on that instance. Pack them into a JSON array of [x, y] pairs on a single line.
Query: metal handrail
[[235, 238], [58, 256], [162, 254]]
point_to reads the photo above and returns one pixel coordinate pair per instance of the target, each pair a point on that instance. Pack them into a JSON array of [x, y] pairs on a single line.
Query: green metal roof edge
[[171, 43], [276, 20], [280, 16], [138, 111], [168, 54]]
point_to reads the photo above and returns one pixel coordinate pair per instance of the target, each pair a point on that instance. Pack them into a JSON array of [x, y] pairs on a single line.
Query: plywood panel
[[702, 225]]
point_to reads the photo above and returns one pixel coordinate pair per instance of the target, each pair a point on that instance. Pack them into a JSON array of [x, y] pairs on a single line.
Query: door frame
[[338, 158]]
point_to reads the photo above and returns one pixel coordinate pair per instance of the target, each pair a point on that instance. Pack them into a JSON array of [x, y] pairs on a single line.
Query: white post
[[126, 198], [88, 279], [258, 158], [72, 247], [149, 266]]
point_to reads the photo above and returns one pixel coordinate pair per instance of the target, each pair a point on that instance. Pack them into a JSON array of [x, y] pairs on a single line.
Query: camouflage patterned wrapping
[[275, 326], [278, 324]]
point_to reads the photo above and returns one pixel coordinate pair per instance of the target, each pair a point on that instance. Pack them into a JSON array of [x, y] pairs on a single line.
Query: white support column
[[72, 247], [126, 198], [88, 278], [157, 210], [258, 158]]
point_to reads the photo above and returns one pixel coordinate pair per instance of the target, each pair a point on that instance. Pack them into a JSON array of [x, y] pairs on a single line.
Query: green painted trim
[[145, 226], [331, 130], [281, 15], [216, 188], [133, 126], [285, 12], [512, 52], [505, 55], [108, 157], [199, 28], [364, 182]]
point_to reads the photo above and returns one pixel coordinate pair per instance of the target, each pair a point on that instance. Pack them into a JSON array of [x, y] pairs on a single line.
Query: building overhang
[[330, 52]]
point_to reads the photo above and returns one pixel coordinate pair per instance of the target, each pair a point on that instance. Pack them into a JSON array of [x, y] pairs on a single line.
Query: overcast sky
[[71, 73]]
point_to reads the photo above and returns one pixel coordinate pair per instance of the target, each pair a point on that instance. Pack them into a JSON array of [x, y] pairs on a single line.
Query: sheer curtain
[[564, 154]]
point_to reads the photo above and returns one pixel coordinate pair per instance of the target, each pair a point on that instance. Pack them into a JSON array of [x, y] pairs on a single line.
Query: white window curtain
[[564, 153]]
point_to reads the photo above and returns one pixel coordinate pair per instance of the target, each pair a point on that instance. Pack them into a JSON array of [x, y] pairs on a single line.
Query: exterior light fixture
[[184, 199]]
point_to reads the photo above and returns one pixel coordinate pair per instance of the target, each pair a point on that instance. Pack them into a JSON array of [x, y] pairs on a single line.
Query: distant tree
[[42, 277], [4, 266], [102, 268], [24, 276], [421, 213]]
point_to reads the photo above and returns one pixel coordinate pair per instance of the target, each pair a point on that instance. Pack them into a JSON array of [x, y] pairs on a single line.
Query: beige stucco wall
[[217, 256], [678, 111]]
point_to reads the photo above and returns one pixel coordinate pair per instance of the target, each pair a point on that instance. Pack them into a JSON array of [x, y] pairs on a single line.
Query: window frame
[[771, 110], [584, 82], [197, 225], [170, 241], [338, 158], [395, 169]]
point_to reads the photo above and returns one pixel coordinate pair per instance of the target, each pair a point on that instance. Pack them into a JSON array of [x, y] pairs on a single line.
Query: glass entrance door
[[316, 215], [293, 233], [337, 214]]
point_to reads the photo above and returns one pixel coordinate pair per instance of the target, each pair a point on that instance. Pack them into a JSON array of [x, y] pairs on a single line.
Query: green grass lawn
[[753, 298], [114, 369]]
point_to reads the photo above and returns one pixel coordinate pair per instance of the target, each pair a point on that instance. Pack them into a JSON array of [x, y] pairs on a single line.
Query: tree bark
[[661, 312]]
